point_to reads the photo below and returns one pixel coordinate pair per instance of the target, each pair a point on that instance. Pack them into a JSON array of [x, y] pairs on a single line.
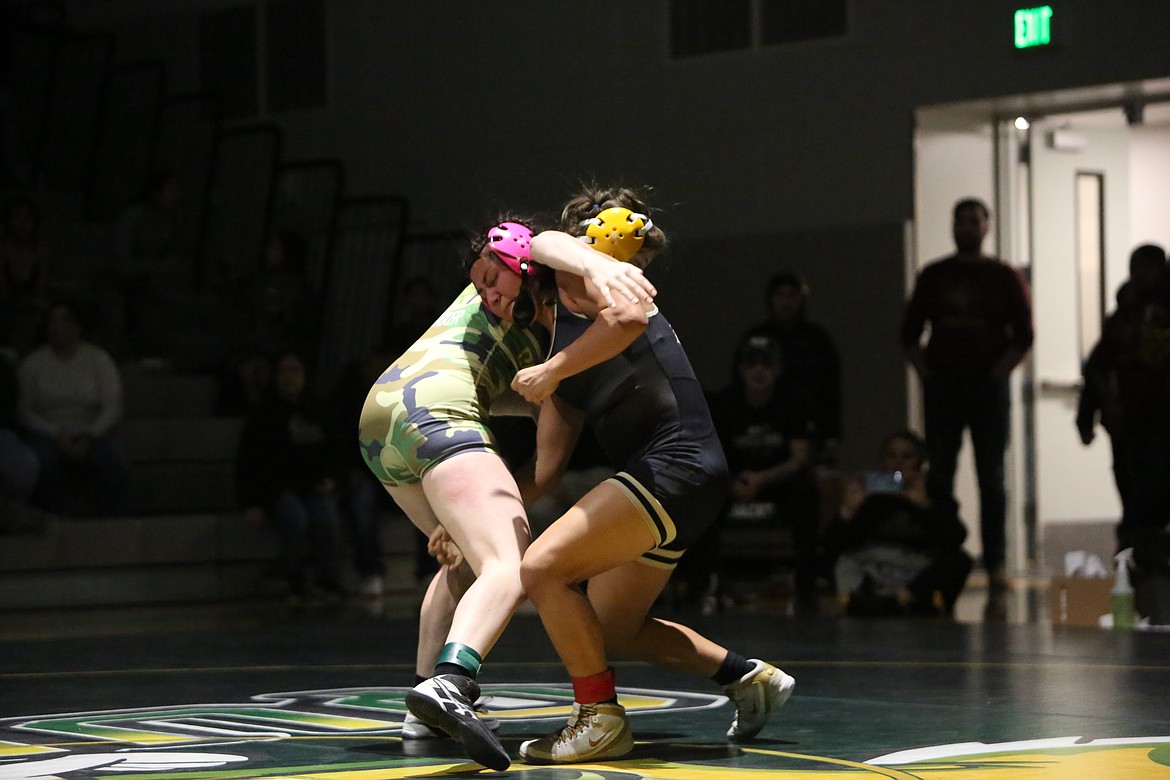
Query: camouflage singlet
[[434, 401]]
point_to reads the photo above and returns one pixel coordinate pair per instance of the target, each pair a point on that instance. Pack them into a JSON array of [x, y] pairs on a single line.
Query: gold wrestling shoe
[[594, 732], [755, 695]]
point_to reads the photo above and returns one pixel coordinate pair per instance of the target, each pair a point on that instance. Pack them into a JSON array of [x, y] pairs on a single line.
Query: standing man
[[980, 316]]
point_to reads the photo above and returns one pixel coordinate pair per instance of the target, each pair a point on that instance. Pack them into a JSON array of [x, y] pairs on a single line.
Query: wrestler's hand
[[442, 548], [609, 275], [535, 383]]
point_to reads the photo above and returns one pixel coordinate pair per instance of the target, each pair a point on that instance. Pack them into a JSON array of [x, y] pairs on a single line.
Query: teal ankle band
[[455, 653]]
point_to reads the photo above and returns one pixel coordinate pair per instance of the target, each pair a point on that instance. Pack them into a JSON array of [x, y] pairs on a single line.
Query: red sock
[[595, 688]]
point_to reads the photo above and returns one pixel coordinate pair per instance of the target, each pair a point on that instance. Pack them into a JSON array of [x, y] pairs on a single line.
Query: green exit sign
[[1033, 27]]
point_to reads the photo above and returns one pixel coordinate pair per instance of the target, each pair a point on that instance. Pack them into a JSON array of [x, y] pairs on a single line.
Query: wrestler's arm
[[613, 328], [558, 426], [562, 252]]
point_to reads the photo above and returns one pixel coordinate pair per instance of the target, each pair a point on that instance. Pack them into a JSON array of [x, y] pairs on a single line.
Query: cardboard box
[[1079, 601]]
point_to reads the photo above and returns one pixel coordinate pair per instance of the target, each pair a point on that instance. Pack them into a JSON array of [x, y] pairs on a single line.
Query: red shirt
[[977, 310]]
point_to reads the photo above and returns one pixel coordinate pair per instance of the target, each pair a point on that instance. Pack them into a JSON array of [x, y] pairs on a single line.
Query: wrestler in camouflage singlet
[[434, 401]]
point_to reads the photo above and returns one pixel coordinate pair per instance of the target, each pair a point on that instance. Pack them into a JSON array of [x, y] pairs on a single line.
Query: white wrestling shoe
[[413, 728], [446, 703], [594, 732], [755, 695]]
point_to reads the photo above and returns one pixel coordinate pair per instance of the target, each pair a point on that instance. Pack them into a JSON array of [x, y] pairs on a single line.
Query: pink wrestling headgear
[[510, 241]]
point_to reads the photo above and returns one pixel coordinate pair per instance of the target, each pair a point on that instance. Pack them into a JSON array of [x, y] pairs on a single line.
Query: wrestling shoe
[[413, 728], [445, 703], [755, 695], [594, 732]]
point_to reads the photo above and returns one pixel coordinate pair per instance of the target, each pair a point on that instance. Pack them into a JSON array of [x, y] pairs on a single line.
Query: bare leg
[[476, 499], [602, 531], [438, 609], [622, 599]]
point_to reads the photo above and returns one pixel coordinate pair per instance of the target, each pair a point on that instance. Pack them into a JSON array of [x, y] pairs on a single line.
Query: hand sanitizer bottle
[[1122, 594]]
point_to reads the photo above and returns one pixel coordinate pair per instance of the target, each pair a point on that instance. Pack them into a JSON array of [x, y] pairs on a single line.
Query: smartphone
[[883, 482]]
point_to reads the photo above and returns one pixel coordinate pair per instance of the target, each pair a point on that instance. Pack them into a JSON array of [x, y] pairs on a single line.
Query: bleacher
[[90, 130]]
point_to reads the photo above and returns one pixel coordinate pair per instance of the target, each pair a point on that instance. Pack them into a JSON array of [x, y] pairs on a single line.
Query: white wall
[[1149, 179], [950, 165]]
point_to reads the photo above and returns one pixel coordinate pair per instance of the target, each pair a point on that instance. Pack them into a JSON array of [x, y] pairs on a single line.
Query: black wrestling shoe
[[447, 703]]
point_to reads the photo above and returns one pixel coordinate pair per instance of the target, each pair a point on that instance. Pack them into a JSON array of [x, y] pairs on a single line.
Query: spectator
[[1097, 402], [286, 476], [1133, 358], [283, 315], [284, 305], [979, 312], [71, 404], [766, 428], [25, 270], [146, 266], [19, 466], [811, 359], [362, 499], [894, 550]]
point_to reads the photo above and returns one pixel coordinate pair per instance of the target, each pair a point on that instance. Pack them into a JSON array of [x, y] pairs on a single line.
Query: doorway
[[1075, 181]]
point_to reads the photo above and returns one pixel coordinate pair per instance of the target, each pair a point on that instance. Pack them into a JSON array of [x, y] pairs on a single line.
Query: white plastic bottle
[[1122, 593]]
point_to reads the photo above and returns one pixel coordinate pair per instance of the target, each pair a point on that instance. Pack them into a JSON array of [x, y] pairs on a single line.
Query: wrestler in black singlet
[[648, 413]]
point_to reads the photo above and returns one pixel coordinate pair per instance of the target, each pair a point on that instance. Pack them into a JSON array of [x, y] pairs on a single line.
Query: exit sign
[[1033, 27]]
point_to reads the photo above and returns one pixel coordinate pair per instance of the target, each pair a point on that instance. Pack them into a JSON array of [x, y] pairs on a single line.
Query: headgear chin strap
[[511, 242], [617, 231]]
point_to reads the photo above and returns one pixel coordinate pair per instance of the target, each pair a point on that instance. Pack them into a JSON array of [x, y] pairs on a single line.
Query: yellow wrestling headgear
[[617, 231]]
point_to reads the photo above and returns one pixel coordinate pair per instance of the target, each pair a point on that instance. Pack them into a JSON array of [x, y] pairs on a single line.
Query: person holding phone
[[895, 550]]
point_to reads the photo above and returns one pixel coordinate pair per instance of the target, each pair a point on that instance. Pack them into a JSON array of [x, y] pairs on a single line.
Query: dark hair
[[77, 310], [758, 343], [911, 438], [298, 354], [971, 203], [592, 199], [1147, 255], [787, 279]]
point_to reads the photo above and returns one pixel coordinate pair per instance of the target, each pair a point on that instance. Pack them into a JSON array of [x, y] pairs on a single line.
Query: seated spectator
[[362, 498], [811, 359], [25, 268], [19, 466], [146, 266], [765, 426], [286, 477], [284, 305], [70, 406], [895, 552], [283, 315]]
